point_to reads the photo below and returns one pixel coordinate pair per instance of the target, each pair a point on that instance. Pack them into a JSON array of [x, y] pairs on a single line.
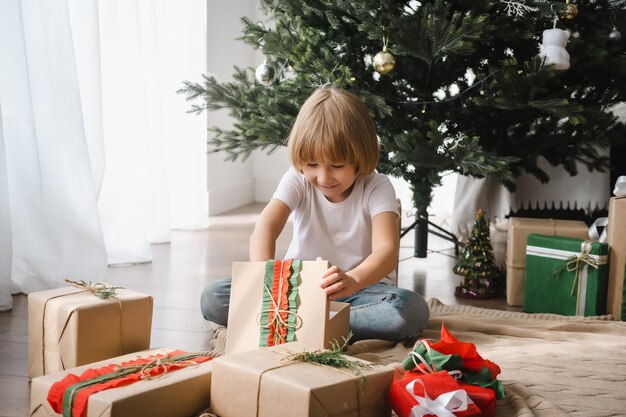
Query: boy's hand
[[337, 284]]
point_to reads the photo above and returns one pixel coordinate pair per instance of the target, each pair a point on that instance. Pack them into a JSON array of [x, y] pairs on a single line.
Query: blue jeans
[[380, 311]]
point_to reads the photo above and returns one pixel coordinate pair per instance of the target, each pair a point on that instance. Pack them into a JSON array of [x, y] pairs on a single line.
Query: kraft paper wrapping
[[616, 238], [519, 229], [263, 379], [181, 393], [322, 321], [69, 327]]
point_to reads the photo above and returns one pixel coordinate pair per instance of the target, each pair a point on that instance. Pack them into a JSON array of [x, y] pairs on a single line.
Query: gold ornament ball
[[571, 11], [384, 62]]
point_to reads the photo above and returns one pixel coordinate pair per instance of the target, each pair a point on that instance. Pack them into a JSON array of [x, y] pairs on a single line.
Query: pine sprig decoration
[[334, 358], [98, 289]]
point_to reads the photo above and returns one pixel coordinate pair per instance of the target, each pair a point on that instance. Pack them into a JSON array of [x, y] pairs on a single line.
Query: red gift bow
[[472, 361]]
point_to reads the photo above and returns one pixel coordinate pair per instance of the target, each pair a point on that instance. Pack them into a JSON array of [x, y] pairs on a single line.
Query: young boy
[[343, 212]]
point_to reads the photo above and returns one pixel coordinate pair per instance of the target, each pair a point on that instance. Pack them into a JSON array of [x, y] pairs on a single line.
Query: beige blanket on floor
[[551, 365]]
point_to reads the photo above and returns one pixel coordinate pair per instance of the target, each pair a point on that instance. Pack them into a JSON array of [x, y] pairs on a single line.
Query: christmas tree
[[481, 276], [454, 86]]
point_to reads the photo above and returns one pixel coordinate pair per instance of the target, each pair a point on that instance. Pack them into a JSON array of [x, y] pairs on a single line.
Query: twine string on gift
[[103, 292], [333, 358], [276, 318], [577, 264], [74, 397], [99, 289], [313, 358], [43, 327], [85, 287], [150, 370]]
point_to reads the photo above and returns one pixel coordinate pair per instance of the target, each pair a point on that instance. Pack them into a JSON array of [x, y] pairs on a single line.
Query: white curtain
[[98, 156], [6, 285], [55, 230], [158, 151]]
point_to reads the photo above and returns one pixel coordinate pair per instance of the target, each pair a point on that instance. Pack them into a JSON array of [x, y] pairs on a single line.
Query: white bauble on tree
[[264, 74]]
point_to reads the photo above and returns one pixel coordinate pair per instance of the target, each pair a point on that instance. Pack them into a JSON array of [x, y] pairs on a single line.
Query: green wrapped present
[[565, 276]]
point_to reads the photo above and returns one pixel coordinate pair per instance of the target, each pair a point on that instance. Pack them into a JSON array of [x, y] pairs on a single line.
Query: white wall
[[229, 184], [234, 184]]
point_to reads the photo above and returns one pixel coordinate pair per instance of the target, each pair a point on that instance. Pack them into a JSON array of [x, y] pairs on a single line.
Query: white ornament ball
[[264, 74]]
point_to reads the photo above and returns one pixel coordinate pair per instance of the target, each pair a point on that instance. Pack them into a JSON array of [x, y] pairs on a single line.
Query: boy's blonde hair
[[334, 125]]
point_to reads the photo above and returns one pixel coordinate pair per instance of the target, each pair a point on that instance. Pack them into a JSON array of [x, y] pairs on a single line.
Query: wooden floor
[[176, 277]]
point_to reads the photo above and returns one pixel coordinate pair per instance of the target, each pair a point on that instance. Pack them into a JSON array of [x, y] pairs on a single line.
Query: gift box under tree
[[616, 230], [565, 276], [519, 229]]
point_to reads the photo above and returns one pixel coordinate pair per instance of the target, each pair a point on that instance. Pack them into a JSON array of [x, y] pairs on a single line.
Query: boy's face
[[333, 179]]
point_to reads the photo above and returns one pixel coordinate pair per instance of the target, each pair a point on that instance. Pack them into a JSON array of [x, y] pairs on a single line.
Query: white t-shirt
[[338, 232]]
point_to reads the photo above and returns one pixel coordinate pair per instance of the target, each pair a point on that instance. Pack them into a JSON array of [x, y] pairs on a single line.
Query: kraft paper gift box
[[178, 393], [555, 284], [616, 238], [69, 327], [265, 383], [519, 229], [317, 323]]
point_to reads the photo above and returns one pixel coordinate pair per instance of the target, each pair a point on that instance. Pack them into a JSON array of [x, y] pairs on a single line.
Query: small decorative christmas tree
[[482, 277]]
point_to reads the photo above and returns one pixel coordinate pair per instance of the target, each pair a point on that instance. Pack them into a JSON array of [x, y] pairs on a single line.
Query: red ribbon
[[280, 287], [57, 390]]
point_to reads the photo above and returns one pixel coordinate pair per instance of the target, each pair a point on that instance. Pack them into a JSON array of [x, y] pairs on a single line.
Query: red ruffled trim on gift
[[284, 301], [57, 390], [282, 272]]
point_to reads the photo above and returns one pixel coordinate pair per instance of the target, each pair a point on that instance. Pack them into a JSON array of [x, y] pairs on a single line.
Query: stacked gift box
[[565, 267], [616, 239], [519, 229], [272, 376], [156, 382], [70, 327]]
